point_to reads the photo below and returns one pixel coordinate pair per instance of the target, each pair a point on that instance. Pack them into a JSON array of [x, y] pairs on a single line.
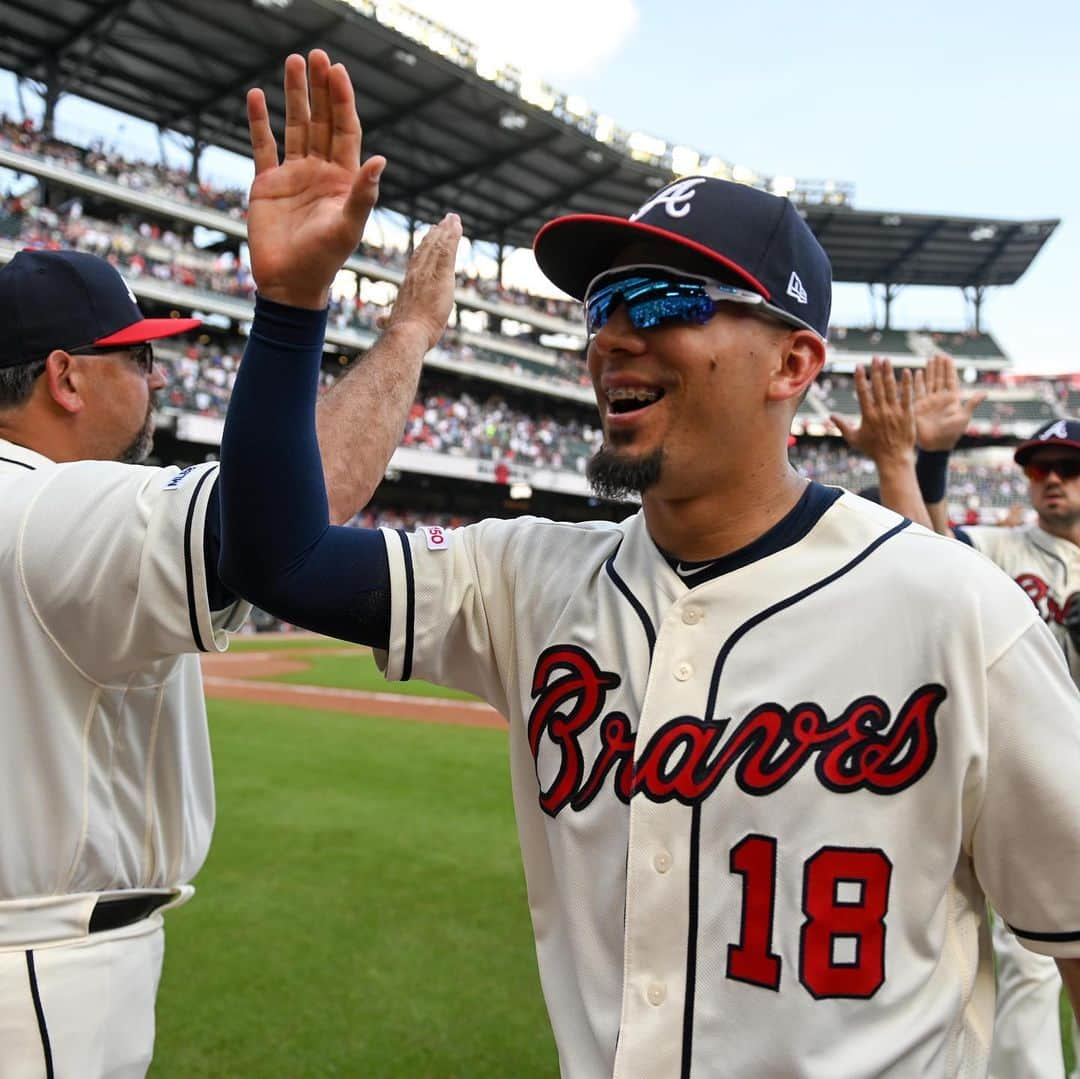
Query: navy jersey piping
[[1053, 555], [635, 603], [1047, 937], [695, 833], [410, 607], [21, 464], [39, 1012], [189, 569]]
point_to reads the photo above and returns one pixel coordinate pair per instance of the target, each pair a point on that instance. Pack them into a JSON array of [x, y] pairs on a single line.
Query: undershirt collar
[[806, 513]]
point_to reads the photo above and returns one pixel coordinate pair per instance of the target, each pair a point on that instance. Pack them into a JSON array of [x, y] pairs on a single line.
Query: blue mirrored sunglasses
[[654, 296]]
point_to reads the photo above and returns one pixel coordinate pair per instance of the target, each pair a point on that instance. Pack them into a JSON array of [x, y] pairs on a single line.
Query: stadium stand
[[498, 408]]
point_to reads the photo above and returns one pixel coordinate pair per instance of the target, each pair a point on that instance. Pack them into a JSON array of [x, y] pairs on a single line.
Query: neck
[[1069, 530], [727, 518]]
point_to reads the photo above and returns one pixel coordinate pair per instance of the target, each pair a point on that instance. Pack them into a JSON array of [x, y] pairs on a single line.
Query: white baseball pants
[[84, 1008]]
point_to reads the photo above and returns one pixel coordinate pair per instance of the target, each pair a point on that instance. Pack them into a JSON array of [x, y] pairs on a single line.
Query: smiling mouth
[[625, 400]]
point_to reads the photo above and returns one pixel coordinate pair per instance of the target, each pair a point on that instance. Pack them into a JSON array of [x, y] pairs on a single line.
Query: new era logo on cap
[[738, 234], [795, 288]]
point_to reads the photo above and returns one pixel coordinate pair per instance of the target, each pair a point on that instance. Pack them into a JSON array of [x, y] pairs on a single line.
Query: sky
[[934, 107]]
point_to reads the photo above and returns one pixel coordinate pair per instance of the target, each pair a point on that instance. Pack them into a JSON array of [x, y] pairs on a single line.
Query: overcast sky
[[936, 107]]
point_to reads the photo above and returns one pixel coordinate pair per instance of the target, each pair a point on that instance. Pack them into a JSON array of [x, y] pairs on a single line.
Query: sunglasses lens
[[1066, 470], [650, 301]]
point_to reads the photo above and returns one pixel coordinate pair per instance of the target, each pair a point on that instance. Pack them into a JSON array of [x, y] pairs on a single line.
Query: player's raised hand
[[942, 415], [426, 294], [306, 213], [887, 429]]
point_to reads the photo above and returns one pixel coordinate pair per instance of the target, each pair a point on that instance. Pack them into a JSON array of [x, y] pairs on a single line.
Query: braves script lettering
[[1039, 593], [864, 748]]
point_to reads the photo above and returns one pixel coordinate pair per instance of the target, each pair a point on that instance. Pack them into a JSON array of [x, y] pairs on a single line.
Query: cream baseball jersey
[[1046, 567], [107, 782], [759, 816]]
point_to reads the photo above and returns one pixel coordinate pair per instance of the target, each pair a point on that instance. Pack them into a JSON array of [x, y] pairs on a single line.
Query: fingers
[[345, 124], [364, 193], [863, 391], [263, 146], [297, 111], [952, 382], [846, 429], [320, 130], [907, 392], [920, 385], [973, 403], [885, 386]]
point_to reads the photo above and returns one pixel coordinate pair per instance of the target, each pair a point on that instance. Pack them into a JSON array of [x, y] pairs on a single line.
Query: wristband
[[932, 472]]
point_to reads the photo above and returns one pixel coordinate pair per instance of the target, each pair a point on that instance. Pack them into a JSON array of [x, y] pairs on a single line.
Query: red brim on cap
[[1026, 449], [572, 250], [150, 329]]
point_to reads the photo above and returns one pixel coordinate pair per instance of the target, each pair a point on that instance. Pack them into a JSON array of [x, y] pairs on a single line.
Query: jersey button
[[692, 615], [683, 671], [662, 862], [656, 994]]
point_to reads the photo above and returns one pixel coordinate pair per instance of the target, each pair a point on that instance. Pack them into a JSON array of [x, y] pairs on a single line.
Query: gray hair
[[17, 383]]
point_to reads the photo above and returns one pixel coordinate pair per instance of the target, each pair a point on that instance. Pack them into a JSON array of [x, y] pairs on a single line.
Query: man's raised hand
[[941, 414], [306, 213], [426, 294], [887, 430]]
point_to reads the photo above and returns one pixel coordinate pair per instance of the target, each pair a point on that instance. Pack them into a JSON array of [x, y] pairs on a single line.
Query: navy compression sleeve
[[278, 549]]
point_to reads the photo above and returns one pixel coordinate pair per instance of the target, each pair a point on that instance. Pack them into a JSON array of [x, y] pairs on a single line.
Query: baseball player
[[1044, 560], [110, 591], [766, 738]]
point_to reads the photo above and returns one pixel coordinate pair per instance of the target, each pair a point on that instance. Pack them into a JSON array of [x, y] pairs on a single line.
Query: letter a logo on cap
[[675, 198], [1058, 430], [795, 288]]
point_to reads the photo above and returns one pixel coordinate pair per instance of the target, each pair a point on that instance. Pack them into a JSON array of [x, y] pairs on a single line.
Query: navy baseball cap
[[750, 237], [1055, 433], [69, 299]]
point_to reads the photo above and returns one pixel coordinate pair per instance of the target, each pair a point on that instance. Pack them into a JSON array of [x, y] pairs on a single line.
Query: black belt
[[124, 910]]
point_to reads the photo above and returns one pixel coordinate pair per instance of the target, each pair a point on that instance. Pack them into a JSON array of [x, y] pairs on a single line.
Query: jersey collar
[[11, 453]]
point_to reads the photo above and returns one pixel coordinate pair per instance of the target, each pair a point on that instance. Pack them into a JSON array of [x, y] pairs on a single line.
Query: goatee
[[616, 476], [140, 446]]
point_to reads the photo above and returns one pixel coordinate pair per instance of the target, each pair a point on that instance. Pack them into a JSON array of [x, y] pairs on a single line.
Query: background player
[[718, 845], [110, 589], [1027, 1036]]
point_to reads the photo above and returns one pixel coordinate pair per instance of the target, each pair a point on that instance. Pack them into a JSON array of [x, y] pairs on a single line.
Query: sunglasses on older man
[[1065, 468], [142, 354], [658, 296]]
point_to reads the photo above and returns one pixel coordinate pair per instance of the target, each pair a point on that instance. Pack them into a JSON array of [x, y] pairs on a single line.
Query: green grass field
[[362, 912], [360, 672]]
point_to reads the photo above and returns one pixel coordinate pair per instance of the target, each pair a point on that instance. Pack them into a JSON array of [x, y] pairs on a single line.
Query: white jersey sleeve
[[455, 595], [135, 534], [1026, 841]]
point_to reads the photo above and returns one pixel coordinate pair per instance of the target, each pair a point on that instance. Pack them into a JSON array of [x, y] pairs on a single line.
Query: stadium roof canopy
[[504, 152]]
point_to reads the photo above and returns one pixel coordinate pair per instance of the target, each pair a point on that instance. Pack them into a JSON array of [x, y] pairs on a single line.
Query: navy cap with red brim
[[572, 250], [1055, 433], [740, 235], [149, 329]]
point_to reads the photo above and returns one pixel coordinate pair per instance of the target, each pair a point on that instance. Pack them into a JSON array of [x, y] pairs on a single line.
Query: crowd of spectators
[[178, 185], [978, 485], [144, 249]]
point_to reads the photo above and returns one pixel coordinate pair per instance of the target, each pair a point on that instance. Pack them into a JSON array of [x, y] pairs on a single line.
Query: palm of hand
[[940, 420], [295, 216]]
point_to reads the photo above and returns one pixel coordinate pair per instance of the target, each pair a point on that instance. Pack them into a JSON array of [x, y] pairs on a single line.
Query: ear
[[801, 358], [65, 379]]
